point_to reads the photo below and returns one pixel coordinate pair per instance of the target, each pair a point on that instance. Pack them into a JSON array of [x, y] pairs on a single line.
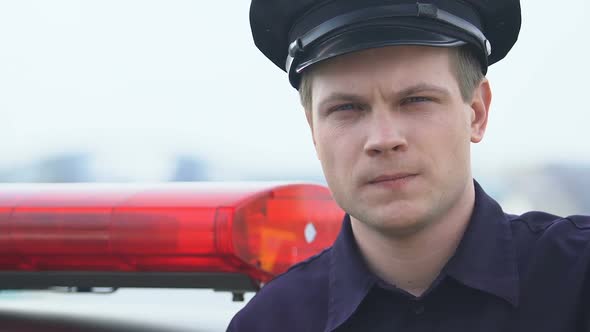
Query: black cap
[[294, 34]]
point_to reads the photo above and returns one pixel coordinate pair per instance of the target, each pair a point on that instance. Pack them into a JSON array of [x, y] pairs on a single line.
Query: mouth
[[396, 179]]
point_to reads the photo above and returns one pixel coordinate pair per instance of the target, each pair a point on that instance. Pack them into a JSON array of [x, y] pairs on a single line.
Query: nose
[[385, 134]]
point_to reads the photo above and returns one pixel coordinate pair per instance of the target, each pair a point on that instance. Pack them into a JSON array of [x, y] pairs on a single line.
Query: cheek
[[453, 145], [443, 139], [338, 151], [461, 133], [328, 149]]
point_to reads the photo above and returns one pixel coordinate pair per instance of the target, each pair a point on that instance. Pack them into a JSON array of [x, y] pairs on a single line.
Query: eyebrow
[[408, 91], [423, 87]]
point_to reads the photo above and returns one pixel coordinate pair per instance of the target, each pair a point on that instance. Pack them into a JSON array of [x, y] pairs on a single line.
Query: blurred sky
[[136, 82]]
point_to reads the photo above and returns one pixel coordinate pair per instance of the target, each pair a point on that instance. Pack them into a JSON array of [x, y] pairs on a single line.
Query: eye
[[417, 99], [347, 107]]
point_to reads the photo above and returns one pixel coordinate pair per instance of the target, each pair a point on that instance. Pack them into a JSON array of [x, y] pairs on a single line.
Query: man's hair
[[466, 68]]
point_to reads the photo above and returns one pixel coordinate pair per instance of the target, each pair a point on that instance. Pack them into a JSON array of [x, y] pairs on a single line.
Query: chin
[[394, 220], [401, 226]]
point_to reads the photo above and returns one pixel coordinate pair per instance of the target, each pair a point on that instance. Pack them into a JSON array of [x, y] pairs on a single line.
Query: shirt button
[[418, 308]]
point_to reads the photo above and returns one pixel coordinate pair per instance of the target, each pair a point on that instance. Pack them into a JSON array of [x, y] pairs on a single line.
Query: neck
[[413, 261]]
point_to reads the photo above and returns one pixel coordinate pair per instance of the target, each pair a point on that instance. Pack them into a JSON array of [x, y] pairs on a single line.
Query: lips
[[391, 177]]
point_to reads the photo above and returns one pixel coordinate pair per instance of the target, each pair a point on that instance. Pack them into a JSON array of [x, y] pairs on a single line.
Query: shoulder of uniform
[[561, 241], [581, 222], [295, 292], [537, 221], [309, 261], [314, 267]]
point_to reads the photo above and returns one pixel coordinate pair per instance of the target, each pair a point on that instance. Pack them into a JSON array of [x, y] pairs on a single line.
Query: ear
[[480, 108]]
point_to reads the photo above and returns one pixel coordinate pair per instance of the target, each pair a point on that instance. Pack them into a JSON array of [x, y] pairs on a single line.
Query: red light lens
[[285, 226], [254, 229]]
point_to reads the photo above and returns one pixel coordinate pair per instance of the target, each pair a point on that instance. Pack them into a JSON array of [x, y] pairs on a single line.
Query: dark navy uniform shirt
[[528, 273]]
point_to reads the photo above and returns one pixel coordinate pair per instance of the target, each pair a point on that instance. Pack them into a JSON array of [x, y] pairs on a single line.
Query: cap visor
[[366, 37]]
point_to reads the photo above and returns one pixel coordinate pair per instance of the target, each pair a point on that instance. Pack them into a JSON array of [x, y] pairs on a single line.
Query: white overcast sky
[[136, 82]]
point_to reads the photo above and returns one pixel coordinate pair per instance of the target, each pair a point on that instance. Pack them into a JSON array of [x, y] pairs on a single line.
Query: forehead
[[392, 67]]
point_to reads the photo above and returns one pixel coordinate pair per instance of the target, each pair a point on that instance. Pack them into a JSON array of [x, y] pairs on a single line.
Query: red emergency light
[[212, 235]]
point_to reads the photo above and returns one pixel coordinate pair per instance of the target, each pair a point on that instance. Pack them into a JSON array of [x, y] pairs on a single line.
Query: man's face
[[393, 134]]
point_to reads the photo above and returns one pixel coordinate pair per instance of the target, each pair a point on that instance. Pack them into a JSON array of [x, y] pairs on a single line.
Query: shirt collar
[[484, 260], [349, 278], [486, 257]]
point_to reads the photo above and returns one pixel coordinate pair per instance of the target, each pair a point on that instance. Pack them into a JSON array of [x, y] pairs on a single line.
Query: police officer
[[394, 92]]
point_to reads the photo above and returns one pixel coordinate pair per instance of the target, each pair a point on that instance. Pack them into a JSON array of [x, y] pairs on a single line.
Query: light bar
[[98, 235]]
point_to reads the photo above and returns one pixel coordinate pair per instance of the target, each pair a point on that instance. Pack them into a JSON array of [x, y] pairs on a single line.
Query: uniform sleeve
[[585, 304], [232, 326], [236, 324], [242, 322], [584, 223]]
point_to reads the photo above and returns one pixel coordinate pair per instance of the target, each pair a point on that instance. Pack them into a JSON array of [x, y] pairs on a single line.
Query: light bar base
[[47, 279]]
